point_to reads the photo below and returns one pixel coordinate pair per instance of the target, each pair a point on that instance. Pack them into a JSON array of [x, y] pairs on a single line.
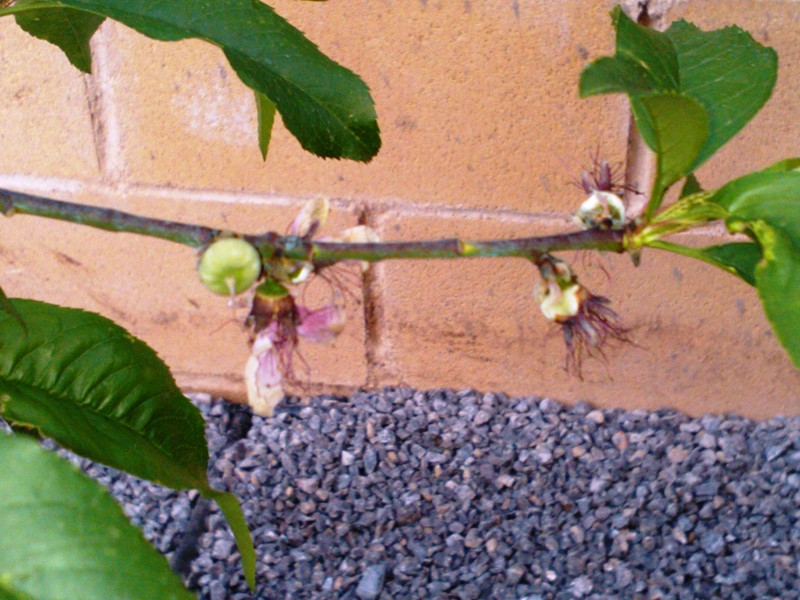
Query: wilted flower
[[305, 225], [586, 320], [310, 218], [601, 210], [263, 377], [604, 208], [277, 323]]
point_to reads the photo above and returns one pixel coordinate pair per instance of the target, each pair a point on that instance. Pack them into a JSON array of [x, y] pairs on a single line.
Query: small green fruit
[[229, 266]]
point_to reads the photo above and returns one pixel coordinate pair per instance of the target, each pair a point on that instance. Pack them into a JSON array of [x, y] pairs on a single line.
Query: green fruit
[[229, 266]]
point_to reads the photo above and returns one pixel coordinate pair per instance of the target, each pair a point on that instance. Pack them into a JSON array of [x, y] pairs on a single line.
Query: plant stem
[[320, 253], [109, 219], [531, 247]]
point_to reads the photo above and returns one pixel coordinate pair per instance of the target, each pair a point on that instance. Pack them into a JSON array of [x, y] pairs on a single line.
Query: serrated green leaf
[[64, 537], [728, 73], [725, 72], [645, 62], [265, 110], [325, 106], [95, 389], [778, 282], [738, 258], [87, 383], [68, 29], [691, 210]]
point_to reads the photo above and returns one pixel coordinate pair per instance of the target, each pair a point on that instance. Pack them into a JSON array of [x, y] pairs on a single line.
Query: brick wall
[[482, 133]]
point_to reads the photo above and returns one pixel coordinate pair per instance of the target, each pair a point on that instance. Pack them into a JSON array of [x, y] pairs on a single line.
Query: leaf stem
[[320, 253]]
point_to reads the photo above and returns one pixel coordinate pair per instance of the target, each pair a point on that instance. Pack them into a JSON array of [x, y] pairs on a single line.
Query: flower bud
[[229, 266]]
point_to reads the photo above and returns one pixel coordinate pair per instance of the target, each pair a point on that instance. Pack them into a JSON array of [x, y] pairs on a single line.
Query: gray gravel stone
[[443, 494], [371, 582], [581, 586], [712, 542]]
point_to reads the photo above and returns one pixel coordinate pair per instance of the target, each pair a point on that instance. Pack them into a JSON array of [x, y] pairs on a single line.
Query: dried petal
[[360, 234], [263, 377], [310, 218], [321, 325], [558, 304]]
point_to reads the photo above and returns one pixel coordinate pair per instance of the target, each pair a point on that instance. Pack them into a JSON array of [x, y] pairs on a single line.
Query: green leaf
[[772, 196], [678, 127], [265, 109], [87, 383], [7, 306], [690, 186], [326, 107], [95, 389], [645, 62], [765, 206], [725, 72], [778, 281], [6, 593], [232, 510], [65, 537], [68, 29], [788, 164], [737, 258], [728, 73]]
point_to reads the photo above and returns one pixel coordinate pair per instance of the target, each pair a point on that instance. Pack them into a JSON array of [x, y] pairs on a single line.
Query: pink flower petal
[[320, 325]]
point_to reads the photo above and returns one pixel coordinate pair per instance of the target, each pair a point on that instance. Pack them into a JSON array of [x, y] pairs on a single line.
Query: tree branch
[[320, 253]]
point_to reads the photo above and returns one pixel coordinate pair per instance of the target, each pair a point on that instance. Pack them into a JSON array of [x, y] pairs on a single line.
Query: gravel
[[443, 494]]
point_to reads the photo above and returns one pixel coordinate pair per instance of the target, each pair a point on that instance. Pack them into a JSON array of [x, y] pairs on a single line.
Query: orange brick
[[702, 342], [478, 105], [479, 111], [151, 288], [45, 121]]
